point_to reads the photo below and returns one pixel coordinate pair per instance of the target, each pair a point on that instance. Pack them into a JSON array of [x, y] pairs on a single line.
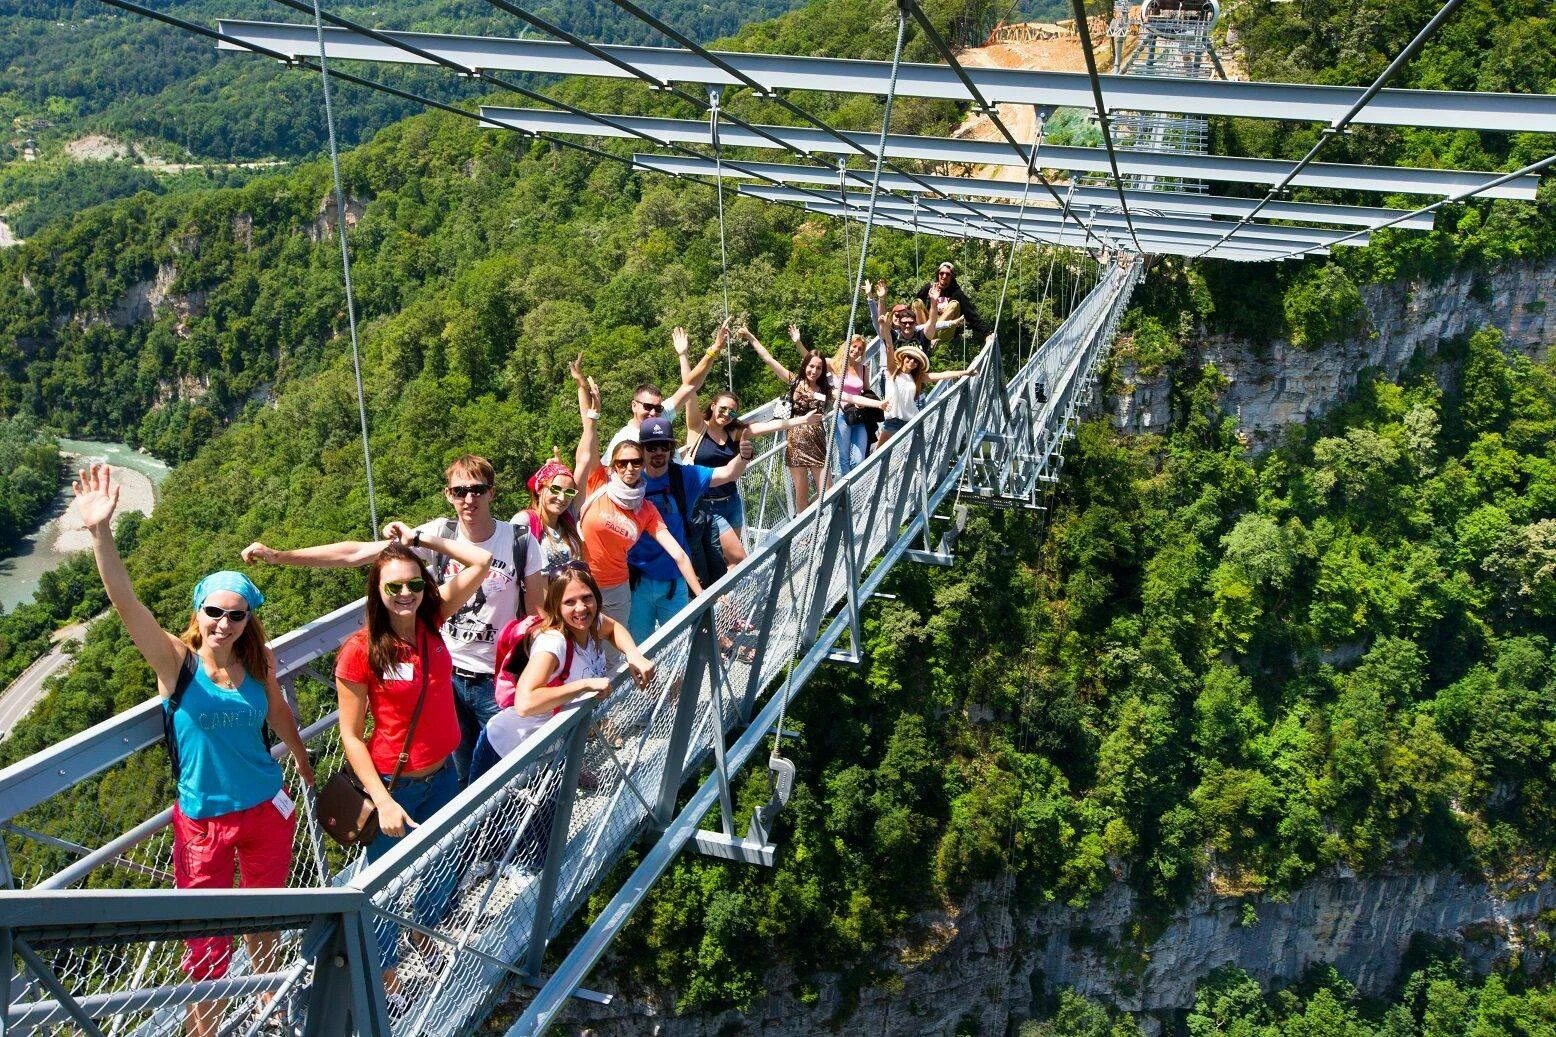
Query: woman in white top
[[566, 658], [909, 379]]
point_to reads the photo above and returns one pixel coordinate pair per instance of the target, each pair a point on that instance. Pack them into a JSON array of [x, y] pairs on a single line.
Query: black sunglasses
[[216, 612], [473, 490], [652, 408]]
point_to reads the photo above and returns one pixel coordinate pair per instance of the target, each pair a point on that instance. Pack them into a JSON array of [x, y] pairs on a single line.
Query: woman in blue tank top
[[232, 814]]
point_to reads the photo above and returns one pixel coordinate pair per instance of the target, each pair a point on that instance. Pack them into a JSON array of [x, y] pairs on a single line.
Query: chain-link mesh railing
[[464, 906]]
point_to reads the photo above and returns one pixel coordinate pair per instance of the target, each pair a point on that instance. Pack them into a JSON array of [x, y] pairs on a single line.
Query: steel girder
[[1434, 109], [1162, 226], [1250, 252], [1389, 180], [1101, 198]]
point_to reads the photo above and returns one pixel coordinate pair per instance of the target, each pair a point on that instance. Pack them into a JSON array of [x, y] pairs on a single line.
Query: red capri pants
[[255, 843]]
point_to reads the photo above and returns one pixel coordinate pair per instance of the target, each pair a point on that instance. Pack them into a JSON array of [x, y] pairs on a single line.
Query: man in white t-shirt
[[649, 402], [513, 587]]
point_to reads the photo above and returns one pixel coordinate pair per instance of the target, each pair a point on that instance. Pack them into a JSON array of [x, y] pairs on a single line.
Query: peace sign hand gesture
[[96, 497]]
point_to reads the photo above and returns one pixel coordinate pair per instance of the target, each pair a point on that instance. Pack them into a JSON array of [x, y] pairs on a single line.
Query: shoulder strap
[[421, 700], [521, 535], [186, 674], [678, 490], [448, 531]]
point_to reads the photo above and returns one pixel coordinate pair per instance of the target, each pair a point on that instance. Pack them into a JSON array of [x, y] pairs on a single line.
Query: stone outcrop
[[1278, 385], [991, 960]]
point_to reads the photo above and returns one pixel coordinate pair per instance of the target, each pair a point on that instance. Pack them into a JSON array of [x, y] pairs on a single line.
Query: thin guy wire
[[345, 266], [1338, 127]]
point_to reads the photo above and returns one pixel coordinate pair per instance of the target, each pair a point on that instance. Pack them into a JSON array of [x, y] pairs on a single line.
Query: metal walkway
[[96, 929]]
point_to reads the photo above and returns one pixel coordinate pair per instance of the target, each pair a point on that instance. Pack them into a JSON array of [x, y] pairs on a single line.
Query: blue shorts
[[729, 514]]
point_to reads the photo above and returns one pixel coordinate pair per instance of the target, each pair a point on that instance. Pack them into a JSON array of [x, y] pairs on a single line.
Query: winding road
[[24, 692]]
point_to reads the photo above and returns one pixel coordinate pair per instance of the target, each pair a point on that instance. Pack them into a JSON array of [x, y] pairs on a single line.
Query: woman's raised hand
[[794, 334], [681, 340], [880, 290], [576, 367], [721, 336], [96, 496]]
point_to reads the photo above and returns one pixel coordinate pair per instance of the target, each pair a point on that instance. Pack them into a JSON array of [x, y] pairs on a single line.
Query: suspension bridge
[[90, 922]]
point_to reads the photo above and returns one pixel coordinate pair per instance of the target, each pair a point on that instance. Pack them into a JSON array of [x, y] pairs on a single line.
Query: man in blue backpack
[[658, 590]]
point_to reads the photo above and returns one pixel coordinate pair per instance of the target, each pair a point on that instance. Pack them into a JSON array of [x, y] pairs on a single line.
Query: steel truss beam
[[1162, 226], [1430, 109], [1148, 202], [1251, 252], [1334, 176]]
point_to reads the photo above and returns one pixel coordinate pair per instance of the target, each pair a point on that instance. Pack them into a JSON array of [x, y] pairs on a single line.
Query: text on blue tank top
[[221, 747]]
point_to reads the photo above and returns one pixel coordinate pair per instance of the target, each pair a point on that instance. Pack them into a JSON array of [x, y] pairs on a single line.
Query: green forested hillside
[[72, 66]]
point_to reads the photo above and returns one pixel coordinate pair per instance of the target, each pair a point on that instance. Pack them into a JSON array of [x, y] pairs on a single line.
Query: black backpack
[[702, 540]]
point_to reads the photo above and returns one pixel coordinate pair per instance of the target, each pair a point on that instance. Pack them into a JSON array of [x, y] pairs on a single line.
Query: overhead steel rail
[[1339, 126], [1152, 202], [1176, 246], [1226, 169], [1427, 109], [1163, 226]]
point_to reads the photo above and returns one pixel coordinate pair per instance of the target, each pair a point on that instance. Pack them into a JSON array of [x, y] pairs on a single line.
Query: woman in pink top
[[853, 441]]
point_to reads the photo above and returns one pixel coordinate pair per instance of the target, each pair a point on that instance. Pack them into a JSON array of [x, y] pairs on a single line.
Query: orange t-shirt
[[609, 531]]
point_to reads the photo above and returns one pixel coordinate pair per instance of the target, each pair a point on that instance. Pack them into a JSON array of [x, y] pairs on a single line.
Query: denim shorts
[[729, 514]]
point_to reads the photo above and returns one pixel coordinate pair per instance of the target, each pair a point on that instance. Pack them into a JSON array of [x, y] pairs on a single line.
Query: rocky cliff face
[[1279, 385], [984, 966]]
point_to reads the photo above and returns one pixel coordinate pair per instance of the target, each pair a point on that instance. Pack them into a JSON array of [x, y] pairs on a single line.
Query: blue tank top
[[221, 747]]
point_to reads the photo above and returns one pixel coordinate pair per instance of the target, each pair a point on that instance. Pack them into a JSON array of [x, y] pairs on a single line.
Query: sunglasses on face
[[562, 491], [627, 462], [656, 448], [651, 408], [473, 490], [217, 613], [397, 587], [723, 410]]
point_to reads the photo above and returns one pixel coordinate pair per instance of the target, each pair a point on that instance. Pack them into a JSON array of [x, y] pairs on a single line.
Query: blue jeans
[[420, 798], [655, 602], [853, 443], [475, 702], [728, 513]]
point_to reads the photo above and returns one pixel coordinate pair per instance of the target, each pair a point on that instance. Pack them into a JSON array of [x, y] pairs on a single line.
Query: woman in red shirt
[[383, 669]]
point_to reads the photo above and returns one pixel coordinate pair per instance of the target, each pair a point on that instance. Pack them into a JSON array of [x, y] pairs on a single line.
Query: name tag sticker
[[401, 672], [284, 804]]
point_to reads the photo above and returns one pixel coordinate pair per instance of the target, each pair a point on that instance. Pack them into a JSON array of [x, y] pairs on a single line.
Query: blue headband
[[227, 580]]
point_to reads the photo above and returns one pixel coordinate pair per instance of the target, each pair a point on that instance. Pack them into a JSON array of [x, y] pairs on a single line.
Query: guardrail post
[[816, 607], [8, 971], [347, 992], [904, 487], [764, 632], [561, 820], [686, 702], [851, 562]]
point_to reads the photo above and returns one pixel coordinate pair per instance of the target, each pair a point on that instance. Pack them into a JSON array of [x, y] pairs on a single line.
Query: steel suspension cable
[[1538, 166], [812, 571], [1083, 26], [988, 110], [345, 267], [659, 25], [1339, 126]]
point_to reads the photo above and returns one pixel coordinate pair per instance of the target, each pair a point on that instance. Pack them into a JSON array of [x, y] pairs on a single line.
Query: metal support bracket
[[757, 846]]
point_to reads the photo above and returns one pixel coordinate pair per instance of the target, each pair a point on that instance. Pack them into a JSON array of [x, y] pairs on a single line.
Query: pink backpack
[[513, 656]]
